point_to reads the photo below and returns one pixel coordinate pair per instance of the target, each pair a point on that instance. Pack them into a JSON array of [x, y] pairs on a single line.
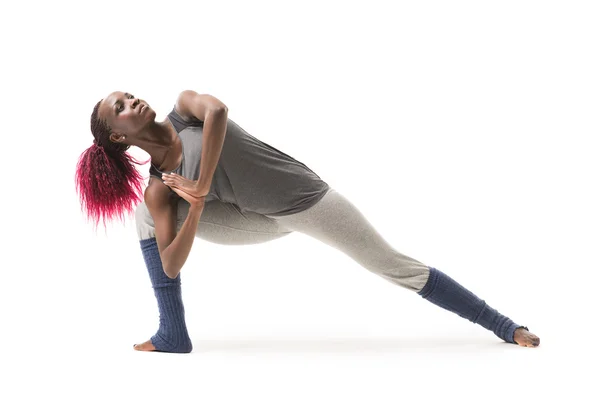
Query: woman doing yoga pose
[[211, 179]]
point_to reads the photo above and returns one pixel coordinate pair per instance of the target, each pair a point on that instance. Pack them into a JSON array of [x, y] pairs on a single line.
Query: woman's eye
[[121, 108]]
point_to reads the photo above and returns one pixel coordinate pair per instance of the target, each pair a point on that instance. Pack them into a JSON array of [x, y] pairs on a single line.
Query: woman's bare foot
[[148, 346], [525, 338]]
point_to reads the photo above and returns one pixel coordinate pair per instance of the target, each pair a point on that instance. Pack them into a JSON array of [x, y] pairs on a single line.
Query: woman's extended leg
[[335, 221], [221, 223]]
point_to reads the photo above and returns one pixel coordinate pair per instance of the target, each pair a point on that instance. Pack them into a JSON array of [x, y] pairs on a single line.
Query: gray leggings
[[334, 220]]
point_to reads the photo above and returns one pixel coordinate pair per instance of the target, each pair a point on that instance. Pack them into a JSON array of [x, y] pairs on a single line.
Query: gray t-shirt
[[250, 173]]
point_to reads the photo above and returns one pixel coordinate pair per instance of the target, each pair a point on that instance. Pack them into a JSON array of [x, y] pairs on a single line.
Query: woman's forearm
[[178, 251], [214, 130]]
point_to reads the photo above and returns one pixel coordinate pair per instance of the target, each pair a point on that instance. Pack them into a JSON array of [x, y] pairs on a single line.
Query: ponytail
[[106, 179]]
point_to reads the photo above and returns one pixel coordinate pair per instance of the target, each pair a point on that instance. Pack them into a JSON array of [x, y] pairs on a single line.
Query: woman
[[215, 181]]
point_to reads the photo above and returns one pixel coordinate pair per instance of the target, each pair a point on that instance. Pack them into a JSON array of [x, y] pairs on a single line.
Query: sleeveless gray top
[[250, 173]]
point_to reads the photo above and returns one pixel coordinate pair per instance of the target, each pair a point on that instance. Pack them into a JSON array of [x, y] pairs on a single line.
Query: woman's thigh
[[335, 221], [221, 223]]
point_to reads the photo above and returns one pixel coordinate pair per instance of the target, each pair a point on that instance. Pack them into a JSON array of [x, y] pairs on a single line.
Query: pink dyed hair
[[106, 179]]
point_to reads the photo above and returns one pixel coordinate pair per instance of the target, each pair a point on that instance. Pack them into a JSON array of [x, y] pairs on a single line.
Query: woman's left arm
[[213, 136], [213, 112]]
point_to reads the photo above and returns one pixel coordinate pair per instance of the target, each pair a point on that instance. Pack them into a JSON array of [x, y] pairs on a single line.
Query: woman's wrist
[[197, 208], [201, 189]]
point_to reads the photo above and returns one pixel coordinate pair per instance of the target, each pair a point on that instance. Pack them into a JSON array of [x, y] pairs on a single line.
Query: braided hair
[[106, 179]]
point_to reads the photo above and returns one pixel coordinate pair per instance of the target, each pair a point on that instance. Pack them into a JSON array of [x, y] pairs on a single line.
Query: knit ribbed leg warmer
[[445, 292], [172, 335]]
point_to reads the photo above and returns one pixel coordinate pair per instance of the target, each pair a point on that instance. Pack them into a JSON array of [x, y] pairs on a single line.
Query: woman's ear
[[117, 137]]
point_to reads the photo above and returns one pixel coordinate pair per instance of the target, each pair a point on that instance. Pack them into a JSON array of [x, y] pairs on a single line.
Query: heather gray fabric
[[221, 223], [337, 222], [334, 220], [250, 174]]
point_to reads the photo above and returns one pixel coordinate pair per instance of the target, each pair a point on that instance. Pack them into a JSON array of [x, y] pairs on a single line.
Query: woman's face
[[125, 114]]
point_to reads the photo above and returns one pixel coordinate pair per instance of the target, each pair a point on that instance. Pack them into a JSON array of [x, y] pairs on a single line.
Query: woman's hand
[[191, 187]]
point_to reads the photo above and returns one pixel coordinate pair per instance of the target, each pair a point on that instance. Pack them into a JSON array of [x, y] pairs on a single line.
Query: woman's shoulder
[[193, 106], [181, 121], [158, 194], [183, 106]]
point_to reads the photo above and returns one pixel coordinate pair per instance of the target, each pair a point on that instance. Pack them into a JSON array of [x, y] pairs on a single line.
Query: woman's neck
[[163, 144]]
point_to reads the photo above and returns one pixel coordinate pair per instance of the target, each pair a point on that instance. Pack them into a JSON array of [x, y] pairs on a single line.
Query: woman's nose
[[135, 102]]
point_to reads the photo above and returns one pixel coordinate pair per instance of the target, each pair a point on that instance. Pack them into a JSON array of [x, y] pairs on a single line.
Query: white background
[[465, 131]]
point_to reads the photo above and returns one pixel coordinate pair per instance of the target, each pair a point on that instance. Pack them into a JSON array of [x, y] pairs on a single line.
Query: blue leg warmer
[[172, 335], [445, 292]]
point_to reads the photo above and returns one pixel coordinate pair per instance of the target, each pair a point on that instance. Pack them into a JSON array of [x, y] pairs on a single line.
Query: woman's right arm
[[173, 247]]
